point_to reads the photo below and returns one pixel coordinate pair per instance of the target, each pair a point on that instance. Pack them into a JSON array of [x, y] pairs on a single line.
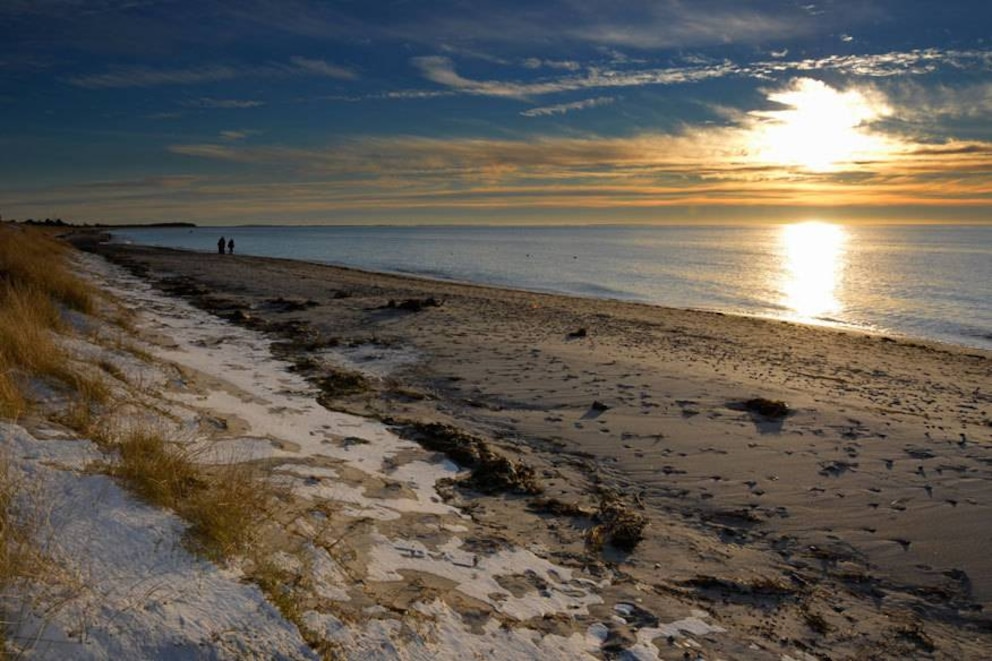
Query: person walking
[[220, 246], [230, 247]]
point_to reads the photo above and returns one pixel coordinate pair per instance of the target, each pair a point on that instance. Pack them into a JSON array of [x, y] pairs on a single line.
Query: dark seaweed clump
[[774, 409], [492, 472], [618, 525]]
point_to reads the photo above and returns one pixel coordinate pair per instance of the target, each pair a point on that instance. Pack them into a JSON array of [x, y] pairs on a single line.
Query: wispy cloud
[[538, 63], [927, 104], [677, 24], [563, 108], [442, 71], [882, 65], [208, 102], [237, 136], [123, 77], [322, 68], [146, 77]]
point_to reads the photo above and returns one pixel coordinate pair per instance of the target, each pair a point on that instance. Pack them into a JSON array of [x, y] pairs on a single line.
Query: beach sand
[[857, 526]]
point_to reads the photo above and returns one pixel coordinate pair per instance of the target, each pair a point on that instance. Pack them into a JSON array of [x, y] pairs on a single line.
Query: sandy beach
[[854, 526]]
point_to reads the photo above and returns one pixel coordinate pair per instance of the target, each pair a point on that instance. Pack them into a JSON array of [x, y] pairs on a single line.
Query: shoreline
[[878, 481], [656, 275], [824, 324]]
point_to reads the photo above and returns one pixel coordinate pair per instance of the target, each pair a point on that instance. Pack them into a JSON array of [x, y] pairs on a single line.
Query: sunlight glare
[[814, 254], [820, 129]]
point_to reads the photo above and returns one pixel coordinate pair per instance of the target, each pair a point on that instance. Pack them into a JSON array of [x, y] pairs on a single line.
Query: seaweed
[[491, 472], [618, 525], [773, 409]]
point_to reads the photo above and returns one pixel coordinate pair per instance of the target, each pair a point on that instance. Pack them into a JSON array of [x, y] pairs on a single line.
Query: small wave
[[433, 274], [598, 291]]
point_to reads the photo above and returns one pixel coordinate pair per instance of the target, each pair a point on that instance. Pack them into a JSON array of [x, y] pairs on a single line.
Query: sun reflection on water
[[814, 259]]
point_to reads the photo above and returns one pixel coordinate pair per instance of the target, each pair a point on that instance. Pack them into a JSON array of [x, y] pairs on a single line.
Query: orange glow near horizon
[[813, 264]]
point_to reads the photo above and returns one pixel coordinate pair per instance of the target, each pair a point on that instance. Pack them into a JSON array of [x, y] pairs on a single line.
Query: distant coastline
[[58, 222]]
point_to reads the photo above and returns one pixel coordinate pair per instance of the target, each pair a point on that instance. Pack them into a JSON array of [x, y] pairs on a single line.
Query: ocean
[[930, 282]]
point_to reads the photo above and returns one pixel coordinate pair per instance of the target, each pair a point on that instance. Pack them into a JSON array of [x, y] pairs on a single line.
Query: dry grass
[[223, 504], [26, 325], [12, 402], [29, 256], [84, 411], [20, 556], [158, 472], [35, 284]]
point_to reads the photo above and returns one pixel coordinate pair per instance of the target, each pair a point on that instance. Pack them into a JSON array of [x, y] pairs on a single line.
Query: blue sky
[[298, 111]]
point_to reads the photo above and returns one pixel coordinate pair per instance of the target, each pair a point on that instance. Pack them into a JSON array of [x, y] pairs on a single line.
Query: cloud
[[766, 156], [207, 102], [562, 108], [441, 70], [882, 65], [930, 104], [236, 136], [146, 77], [632, 24], [675, 24], [123, 77], [467, 26], [322, 68], [538, 63], [390, 178]]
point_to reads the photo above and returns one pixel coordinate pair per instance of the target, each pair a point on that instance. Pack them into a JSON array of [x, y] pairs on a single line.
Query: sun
[[820, 129]]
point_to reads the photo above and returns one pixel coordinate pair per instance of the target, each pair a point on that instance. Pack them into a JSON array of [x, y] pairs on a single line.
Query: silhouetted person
[[220, 245], [230, 247]]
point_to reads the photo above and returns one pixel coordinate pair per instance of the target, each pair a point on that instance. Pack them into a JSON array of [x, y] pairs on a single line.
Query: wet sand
[[855, 526]]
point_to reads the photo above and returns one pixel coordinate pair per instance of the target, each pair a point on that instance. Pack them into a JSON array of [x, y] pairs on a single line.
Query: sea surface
[[930, 282]]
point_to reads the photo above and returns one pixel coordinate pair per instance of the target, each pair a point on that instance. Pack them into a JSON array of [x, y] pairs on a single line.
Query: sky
[[224, 112]]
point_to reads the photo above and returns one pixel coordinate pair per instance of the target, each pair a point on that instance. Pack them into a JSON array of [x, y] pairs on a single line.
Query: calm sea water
[[932, 282]]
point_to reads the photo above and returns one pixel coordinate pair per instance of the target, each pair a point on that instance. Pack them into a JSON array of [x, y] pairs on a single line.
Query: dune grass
[[36, 283], [223, 504], [36, 286], [12, 402], [32, 256]]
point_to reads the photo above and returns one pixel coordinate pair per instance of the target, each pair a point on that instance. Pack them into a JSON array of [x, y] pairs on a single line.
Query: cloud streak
[[563, 108], [207, 102], [123, 77], [442, 71]]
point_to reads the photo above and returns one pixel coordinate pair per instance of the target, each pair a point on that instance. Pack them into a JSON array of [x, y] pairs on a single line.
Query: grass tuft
[[227, 515], [158, 472], [26, 325], [223, 504]]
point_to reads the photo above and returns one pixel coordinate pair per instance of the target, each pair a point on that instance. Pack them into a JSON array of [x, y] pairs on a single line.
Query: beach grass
[[32, 256], [12, 402], [223, 503], [36, 285]]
